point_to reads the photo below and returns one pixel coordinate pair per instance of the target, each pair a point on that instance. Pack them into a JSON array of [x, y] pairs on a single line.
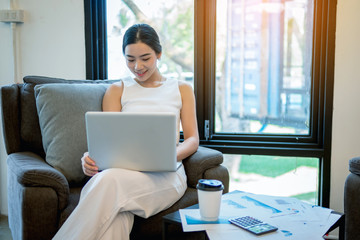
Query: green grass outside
[[273, 166]]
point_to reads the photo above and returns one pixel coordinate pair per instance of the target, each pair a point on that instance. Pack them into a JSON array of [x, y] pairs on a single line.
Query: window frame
[[95, 39], [316, 144]]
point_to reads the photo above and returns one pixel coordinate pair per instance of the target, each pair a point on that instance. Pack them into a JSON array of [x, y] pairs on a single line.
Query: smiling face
[[141, 60]]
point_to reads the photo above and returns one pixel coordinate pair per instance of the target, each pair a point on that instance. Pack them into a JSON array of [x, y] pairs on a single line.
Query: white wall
[[346, 114], [52, 44], [5, 74]]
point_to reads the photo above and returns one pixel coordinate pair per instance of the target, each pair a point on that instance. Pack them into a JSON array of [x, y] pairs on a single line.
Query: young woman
[[111, 198]]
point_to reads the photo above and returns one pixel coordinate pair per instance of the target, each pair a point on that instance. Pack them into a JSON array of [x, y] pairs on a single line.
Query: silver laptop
[[135, 141]]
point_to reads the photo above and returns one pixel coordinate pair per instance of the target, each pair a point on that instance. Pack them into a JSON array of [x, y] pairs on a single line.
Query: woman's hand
[[88, 165]]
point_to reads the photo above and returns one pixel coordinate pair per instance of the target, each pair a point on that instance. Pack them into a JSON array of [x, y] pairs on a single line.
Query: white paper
[[191, 221], [294, 218]]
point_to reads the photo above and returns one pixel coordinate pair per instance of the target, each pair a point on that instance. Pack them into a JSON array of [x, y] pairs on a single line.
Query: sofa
[[352, 200], [44, 135]]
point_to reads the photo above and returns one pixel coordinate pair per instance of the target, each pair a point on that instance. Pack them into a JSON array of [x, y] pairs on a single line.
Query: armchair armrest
[[202, 160], [32, 171], [354, 165], [10, 95]]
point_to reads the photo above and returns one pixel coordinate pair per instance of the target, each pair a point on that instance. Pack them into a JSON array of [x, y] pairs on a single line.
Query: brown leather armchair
[[39, 196]]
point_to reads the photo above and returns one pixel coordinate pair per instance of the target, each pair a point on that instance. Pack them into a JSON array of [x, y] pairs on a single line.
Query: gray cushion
[[29, 121], [61, 109]]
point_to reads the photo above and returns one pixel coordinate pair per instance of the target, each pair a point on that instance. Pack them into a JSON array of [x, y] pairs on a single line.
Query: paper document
[[294, 218]]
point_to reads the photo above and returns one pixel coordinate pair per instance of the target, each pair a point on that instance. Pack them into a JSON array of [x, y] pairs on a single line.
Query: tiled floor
[[5, 233]]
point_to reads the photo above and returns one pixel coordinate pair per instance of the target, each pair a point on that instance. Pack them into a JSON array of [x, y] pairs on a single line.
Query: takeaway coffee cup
[[209, 194]]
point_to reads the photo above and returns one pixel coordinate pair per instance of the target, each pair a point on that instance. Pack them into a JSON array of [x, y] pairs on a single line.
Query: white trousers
[[111, 198]]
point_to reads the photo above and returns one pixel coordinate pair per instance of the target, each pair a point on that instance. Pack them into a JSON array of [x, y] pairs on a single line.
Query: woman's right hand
[[88, 165]]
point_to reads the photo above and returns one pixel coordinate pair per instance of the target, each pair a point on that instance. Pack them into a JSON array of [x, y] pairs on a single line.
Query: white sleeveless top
[[165, 98]]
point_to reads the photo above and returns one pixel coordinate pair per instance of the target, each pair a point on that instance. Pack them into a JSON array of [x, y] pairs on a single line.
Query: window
[[262, 71], [263, 62], [296, 177]]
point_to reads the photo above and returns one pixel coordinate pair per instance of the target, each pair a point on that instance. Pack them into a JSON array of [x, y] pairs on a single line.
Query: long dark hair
[[142, 33]]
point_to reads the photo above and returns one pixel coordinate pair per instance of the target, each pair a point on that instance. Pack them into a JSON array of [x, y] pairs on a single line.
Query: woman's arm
[[188, 121], [112, 98]]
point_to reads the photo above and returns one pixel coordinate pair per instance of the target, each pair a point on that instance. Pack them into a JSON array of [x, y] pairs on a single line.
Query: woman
[[111, 198]]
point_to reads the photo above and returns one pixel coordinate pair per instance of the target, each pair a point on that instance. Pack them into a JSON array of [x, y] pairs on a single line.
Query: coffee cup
[[209, 194]]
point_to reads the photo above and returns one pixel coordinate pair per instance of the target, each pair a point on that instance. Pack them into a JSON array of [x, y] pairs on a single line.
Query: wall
[[346, 115], [5, 76], [52, 44]]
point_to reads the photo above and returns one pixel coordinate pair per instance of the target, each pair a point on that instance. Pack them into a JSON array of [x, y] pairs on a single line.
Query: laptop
[[135, 141]]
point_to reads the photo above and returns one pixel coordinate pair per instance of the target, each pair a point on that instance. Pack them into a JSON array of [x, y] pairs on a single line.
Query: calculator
[[253, 225]]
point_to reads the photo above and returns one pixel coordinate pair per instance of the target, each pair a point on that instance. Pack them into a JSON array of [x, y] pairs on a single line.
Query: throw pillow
[[61, 109]]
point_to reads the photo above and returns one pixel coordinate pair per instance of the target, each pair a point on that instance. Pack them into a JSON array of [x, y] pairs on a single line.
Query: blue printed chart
[[295, 219]]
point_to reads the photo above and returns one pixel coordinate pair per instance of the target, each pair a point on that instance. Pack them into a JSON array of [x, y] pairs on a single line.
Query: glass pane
[[173, 22], [263, 66], [277, 176]]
